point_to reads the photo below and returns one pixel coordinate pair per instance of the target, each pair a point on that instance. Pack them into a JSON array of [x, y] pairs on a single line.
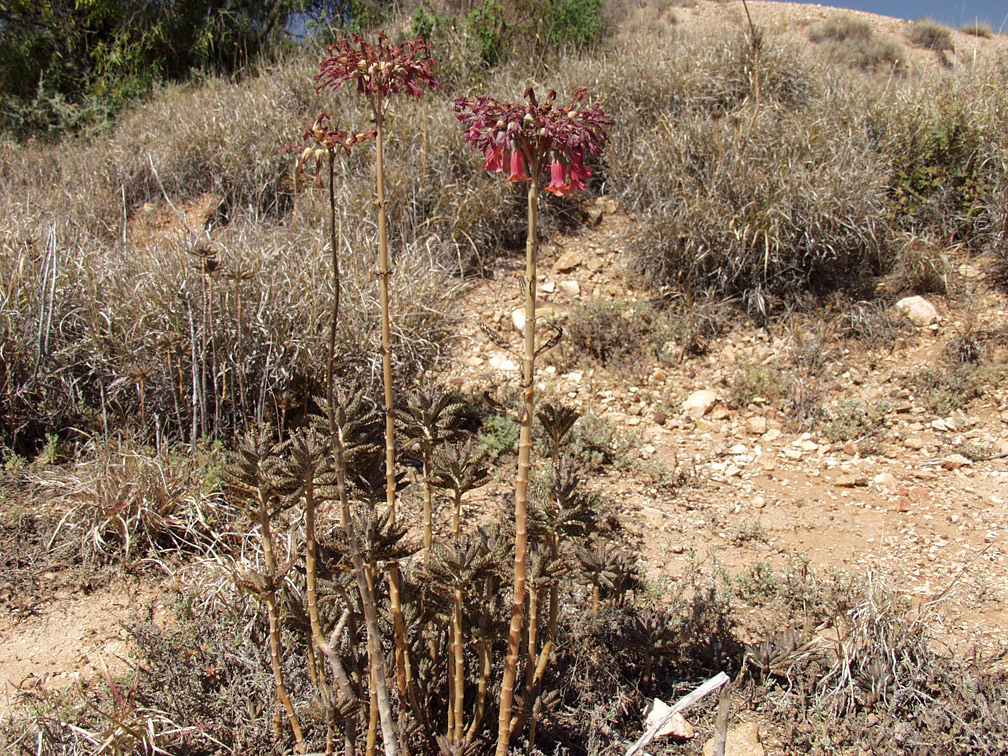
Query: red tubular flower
[[534, 134], [559, 185], [381, 68], [517, 168], [494, 158]]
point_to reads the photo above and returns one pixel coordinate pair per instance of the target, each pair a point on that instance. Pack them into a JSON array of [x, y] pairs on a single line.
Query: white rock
[[548, 287], [569, 287], [677, 726], [920, 312], [756, 425], [738, 449], [699, 403], [545, 312], [501, 362]]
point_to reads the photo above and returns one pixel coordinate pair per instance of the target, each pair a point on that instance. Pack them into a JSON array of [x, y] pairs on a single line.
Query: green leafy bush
[[577, 22]]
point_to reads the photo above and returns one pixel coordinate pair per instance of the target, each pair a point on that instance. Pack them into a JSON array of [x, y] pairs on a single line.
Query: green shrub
[[577, 22], [937, 140], [854, 419], [931, 35], [488, 32], [841, 29], [753, 381], [942, 389], [977, 30], [622, 335]]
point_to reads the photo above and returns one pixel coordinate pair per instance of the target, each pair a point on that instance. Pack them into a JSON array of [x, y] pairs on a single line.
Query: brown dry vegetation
[[165, 285]]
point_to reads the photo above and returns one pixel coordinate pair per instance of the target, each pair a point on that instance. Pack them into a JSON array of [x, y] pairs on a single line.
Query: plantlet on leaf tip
[[519, 141]]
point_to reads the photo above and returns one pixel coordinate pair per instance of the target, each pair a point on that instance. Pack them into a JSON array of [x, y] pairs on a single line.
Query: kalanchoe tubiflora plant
[[383, 70], [528, 142]]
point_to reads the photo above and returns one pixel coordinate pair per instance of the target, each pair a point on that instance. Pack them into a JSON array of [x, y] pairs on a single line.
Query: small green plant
[[854, 419], [619, 335], [427, 23], [748, 531], [488, 32], [757, 584], [944, 388], [758, 382], [499, 435]]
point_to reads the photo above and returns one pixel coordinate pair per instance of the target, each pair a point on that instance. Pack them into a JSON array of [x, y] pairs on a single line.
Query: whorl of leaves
[[429, 414], [461, 466]]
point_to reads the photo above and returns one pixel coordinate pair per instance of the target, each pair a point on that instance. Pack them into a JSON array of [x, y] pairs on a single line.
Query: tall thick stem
[[276, 649], [428, 506], [524, 462], [384, 273], [459, 656], [339, 461]]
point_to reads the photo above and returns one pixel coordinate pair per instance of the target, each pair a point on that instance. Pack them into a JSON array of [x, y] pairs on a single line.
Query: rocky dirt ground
[[750, 487], [917, 499]]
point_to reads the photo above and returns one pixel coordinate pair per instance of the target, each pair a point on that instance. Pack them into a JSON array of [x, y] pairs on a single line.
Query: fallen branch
[[686, 701]]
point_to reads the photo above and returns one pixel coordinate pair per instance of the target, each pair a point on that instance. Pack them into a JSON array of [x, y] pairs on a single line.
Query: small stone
[[548, 287], [914, 442], [567, 261], [919, 311], [848, 480], [647, 451], [595, 264], [919, 495], [574, 376], [593, 215], [720, 413], [756, 425], [473, 361], [699, 403], [743, 740], [732, 470], [501, 362], [738, 449], [545, 313], [659, 418], [850, 448], [677, 727], [955, 461], [885, 480], [570, 287]]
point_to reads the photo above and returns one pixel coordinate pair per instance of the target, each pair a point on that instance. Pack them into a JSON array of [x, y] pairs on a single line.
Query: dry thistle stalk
[[523, 141]]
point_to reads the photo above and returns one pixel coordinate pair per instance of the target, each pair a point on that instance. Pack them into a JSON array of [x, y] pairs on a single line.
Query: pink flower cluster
[[381, 68], [517, 139]]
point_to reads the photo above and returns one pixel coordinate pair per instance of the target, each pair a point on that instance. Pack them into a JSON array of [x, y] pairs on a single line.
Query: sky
[[951, 12]]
